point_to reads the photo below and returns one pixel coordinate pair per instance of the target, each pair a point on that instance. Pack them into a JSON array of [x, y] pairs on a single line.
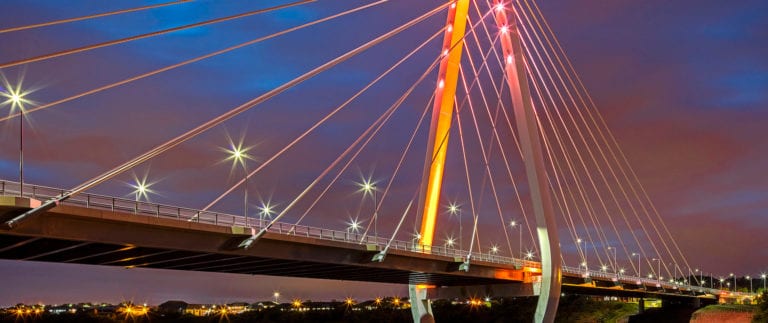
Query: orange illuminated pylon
[[442, 111]]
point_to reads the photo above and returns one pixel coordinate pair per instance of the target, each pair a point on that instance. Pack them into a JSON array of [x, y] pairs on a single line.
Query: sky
[[682, 85]]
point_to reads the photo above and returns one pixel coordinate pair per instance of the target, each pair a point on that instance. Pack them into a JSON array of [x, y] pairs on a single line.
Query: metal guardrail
[[111, 203], [104, 202]]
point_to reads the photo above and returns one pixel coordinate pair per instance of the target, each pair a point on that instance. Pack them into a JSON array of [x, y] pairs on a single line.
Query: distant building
[[172, 307], [198, 309]]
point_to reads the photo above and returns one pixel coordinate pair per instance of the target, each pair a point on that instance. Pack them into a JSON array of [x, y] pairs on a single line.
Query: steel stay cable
[[220, 119], [190, 61], [593, 106], [143, 36], [317, 124], [581, 135], [99, 15]]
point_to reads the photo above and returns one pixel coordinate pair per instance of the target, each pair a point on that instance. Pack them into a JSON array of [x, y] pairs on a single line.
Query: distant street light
[[763, 277], [750, 283], [734, 281]]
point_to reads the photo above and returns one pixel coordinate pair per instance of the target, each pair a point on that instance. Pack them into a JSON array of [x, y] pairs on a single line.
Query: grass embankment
[[725, 313], [581, 309]]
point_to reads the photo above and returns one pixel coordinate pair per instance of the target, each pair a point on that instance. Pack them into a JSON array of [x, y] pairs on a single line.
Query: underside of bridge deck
[[73, 234]]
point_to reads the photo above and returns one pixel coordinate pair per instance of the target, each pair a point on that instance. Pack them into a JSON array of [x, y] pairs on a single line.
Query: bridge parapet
[[9, 190]]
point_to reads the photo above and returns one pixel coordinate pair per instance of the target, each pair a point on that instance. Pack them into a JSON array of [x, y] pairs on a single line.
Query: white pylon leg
[[421, 308]]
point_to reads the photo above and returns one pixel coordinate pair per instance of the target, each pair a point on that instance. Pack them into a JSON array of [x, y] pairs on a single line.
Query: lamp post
[[16, 99], [701, 276], [513, 224], [369, 187], [584, 251], [734, 281], [238, 156], [750, 283], [763, 277], [658, 273], [455, 209], [614, 257], [639, 273]]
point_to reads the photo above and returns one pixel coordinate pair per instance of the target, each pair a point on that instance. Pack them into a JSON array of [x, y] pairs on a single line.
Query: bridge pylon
[[442, 114], [434, 165], [525, 116]]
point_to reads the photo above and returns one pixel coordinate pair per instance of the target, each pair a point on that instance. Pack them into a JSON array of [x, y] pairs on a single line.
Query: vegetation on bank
[[572, 309], [761, 312]]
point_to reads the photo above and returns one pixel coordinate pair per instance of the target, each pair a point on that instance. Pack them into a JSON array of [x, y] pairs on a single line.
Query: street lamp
[[614, 257], [763, 277], [276, 295], [513, 224], [639, 274], [369, 187], [658, 273], [750, 283], [734, 281], [449, 242], [584, 251], [721, 282], [16, 99], [265, 210], [238, 155], [455, 209]]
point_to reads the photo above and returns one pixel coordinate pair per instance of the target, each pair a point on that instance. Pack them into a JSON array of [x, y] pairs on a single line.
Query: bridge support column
[[530, 144], [421, 308], [641, 305]]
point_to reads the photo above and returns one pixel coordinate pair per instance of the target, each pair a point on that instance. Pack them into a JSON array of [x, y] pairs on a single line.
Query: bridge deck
[[101, 230]]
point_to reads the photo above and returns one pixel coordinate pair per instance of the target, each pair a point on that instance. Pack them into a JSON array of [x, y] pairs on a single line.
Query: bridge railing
[[125, 205], [110, 203]]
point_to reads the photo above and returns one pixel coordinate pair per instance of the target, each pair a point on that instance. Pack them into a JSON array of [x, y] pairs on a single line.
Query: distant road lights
[[721, 282], [603, 268], [276, 296], [529, 255], [494, 249], [750, 283], [734, 281], [763, 276]]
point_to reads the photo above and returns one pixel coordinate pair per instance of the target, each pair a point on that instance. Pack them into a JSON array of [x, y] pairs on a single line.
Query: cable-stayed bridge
[[488, 163]]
